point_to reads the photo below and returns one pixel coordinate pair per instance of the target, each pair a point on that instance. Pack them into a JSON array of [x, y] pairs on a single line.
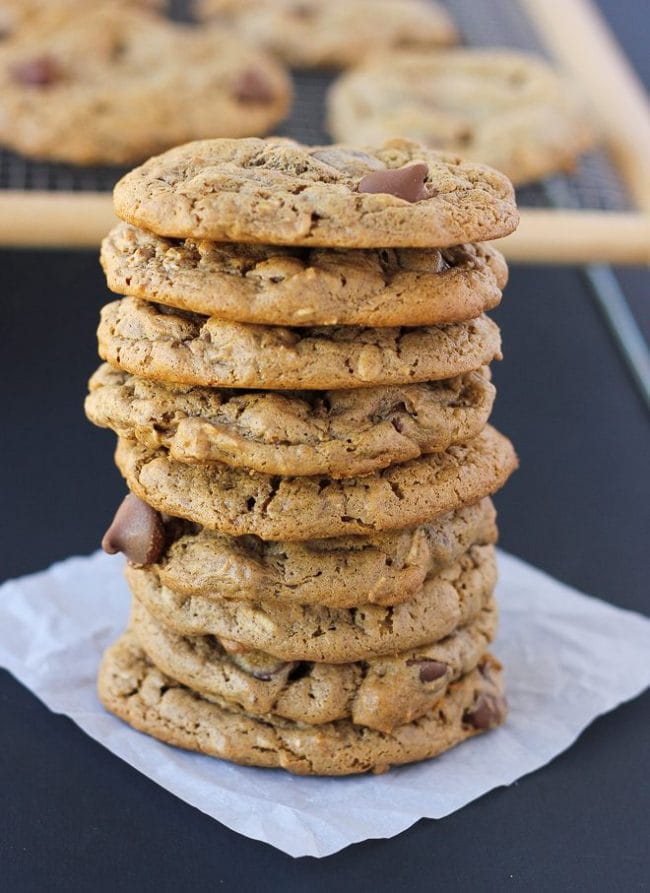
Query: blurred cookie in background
[[116, 84], [504, 108], [16, 15], [332, 33]]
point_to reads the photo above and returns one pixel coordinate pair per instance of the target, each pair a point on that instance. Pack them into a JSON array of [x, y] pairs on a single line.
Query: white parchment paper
[[568, 659]]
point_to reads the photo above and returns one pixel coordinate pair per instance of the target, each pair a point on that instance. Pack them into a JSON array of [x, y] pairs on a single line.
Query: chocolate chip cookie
[[161, 343], [116, 84], [278, 192], [338, 433], [380, 693], [279, 285], [382, 568], [132, 688], [332, 33], [507, 109], [335, 635], [237, 502]]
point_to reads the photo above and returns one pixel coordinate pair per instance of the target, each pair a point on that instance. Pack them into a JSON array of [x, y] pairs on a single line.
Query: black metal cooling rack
[[594, 185]]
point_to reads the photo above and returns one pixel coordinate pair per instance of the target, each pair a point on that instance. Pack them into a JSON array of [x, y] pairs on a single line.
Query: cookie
[[320, 633], [132, 688], [281, 193], [236, 502], [116, 84], [278, 285], [503, 108], [338, 433], [332, 33], [156, 342], [24, 18], [383, 568], [381, 693]]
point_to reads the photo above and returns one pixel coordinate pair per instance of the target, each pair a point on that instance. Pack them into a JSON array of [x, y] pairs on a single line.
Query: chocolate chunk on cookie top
[[276, 191]]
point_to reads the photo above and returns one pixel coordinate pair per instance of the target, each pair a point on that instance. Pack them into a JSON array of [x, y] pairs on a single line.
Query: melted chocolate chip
[[252, 85], [302, 11], [487, 712], [403, 182], [41, 71], [267, 675], [137, 531], [429, 669]]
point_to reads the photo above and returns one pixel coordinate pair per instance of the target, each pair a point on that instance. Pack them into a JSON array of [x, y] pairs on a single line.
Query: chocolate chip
[[252, 85], [489, 711], [429, 669], [41, 71], [403, 182], [267, 675], [137, 531], [302, 11]]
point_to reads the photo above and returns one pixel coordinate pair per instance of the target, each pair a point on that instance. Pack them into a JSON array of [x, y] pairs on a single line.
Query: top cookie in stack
[[299, 378]]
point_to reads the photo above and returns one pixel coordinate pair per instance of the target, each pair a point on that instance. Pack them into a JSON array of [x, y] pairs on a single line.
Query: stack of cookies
[[298, 375]]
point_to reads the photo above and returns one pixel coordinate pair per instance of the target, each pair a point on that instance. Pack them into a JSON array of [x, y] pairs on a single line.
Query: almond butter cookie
[[507, 109], [380, 693], [383, 568], [131, 687], [116, 84], [332, 33], [157, 342], [279, 192], [451, 599], [280, 285], [237, 502], [338, 433]]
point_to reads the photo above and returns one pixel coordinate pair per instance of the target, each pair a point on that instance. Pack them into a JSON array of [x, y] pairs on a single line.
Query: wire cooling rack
[[594, 185], [60, 204], [599, 212]]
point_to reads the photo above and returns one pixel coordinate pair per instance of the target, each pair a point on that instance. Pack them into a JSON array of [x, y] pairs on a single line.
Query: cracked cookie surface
[[380, 693], [338, 433], [507, 109], [164, 344], [332, 33], [132, 688], [237, 502], [276, 191], [335, 635], [116, 84], [280, 285], [384, 568]]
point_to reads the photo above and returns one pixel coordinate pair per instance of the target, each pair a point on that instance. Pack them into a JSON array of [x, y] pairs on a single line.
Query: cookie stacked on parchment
[[298, 375]]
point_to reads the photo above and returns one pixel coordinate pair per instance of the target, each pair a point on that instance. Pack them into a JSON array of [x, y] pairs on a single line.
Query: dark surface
[[74, 817]]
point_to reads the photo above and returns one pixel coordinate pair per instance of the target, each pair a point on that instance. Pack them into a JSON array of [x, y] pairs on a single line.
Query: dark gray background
[[73, 817]]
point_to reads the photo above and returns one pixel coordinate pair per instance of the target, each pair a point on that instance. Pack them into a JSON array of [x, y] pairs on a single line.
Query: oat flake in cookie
[[276, 191], [115, 84]]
